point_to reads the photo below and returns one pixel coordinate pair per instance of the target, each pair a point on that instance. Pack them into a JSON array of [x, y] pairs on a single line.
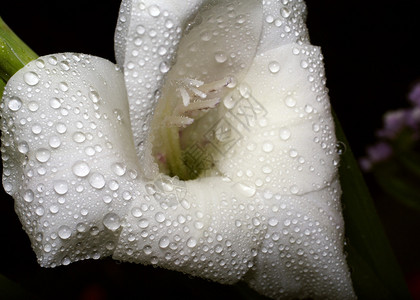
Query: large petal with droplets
[[65, 128]]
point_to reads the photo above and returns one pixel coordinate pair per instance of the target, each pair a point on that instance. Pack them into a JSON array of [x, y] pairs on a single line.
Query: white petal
[[64, 124], [284, 23], [147, 35]]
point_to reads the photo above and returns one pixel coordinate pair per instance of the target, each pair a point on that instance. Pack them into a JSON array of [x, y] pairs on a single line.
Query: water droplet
[[23, 147], [94, 96], [245, 90], [246, 189], [64, 232], [54, 142], [147, 250], [54, 209], [143, 223], [285, 12], [81, 169], [97, 180], [269, 19], [220, 57], [112, 221], [36, 129], [164, 67], [81, 227], [42, 155], [136, 212], [52, 60], [273, 222], [63, 86], [119, 169], [341, 148], [33, 106], [290, 101], [40, 210], [28, 196], [285, 133], [164, 242], [31, 78], [154, 10], [159, 217], [192, 242], [65, 65], [40, 63], [14, 104], [61, 187], [61, 127], [294, 189], [79, 137], [55, 103], [304, 64], [267, 147], [274, 67]]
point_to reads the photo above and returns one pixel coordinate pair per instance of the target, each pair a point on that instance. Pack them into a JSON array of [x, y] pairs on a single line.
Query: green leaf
[[374, 269]]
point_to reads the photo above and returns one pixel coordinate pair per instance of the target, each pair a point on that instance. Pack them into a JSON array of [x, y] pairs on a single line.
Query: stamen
[[202, 105], [178, 121], [193, 82], [198, 93], [185, 96], [216, 85]]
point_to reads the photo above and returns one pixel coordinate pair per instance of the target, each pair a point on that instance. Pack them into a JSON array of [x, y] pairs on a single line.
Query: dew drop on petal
[[267, 147], [290, 101], [164, 67], [55, 103], [79, 137], [54, 142], [81, 169], [61, 187], [159, 217], [31, 78], [14, 104], [192, 242], [164, 242], [64, 232], [284, 133], [28, 196], [119, 169], [154, 11], [143, 223], [220, 57], [273, 222], [274, 67], [97, 180], [112, 221], [94, 96], [23, 147], [42, 155]]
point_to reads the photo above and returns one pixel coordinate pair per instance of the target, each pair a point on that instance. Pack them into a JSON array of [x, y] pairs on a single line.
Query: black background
[[371, 60]]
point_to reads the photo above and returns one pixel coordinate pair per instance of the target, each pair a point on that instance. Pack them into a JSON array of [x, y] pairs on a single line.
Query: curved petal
[[63, 120], [146, 39]]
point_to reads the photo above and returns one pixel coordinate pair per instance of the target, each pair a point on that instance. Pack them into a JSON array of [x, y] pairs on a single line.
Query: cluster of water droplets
[[56, 128]]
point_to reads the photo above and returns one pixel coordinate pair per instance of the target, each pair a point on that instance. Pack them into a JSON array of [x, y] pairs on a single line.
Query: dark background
[[371, 60]]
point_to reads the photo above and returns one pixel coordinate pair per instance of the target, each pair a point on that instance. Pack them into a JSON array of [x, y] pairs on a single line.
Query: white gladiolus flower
[[212, 152]]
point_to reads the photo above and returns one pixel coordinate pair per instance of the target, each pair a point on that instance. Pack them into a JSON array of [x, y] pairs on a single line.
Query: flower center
[[181, 145]]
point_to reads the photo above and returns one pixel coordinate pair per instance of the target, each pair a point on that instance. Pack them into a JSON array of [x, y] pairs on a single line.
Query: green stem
[[2, 85], [14, 53]]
